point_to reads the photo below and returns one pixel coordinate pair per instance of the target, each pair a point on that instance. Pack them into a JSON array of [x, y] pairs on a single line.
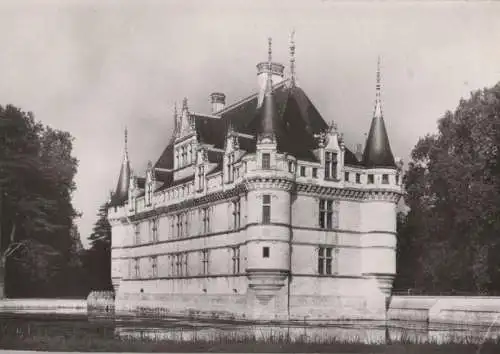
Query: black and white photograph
[[250, 176]]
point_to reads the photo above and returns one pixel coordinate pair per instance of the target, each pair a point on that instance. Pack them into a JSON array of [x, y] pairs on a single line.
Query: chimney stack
[[218, 101]]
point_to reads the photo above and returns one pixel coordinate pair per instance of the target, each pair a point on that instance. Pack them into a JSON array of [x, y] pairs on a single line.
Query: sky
[[94, 67]]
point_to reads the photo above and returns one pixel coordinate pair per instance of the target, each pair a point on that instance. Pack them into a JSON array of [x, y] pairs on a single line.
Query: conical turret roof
[[121, 191], [378, 151]]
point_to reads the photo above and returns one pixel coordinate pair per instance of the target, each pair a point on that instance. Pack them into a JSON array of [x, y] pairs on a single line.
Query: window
[[325, 260], [290, 166], [266, 161], [315, 172], [330, 165], [186, 224], [397, 179], [172, 226], [358, 178], [177, 160], [185, 264], [205, 262], [201, 178], [302, 171], [236, 260], [179, 225], [236, 214], [154, 266], [178, 264], [326, 214], [206, 220], [266, 209], [371, 179], [230, 168], [137, 270], [172, 265], [265, 252], [385, 179], [137, 234], [346, 176]]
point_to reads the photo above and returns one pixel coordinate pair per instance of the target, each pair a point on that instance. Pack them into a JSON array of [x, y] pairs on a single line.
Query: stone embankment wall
[[464, 310], [45, 306]]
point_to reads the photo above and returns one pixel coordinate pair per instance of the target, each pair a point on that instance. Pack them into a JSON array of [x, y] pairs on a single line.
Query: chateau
[[259, 210]]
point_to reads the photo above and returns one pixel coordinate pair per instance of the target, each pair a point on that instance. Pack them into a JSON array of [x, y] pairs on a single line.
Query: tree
[[36, 183], [453, 191], [98, 258]]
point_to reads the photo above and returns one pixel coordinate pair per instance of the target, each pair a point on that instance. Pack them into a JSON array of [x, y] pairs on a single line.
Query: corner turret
[[121, 192]]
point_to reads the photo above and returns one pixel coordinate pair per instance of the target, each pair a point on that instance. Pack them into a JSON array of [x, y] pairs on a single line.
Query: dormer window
[[266, 161], [371, 179], [290, 166], [330, 165], [302, 171], [385, 179], [315, 172], [358, 178], [230, 168]]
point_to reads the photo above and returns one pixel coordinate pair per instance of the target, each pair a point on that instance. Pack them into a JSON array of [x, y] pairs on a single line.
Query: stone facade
[[241, 228]]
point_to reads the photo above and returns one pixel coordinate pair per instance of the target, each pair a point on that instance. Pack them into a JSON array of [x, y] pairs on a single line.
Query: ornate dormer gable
[[200, 172], [132, 192], [185, 142], [231, 153], [330, 151], [150, 184]]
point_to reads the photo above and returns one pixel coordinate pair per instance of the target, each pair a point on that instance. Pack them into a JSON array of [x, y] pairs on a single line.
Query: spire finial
[[292, 57], [126, 143], [269, 64], [378, 104]]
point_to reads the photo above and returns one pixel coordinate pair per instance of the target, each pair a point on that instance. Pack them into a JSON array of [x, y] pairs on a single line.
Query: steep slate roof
[[378, 151], [297, 121]]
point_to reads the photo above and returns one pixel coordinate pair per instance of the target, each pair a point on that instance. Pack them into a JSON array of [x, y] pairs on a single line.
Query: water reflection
[[189, 331]]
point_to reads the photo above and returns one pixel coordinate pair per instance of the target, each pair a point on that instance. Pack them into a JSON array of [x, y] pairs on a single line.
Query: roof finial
[[126, 143], [378, 104], [269, 63], [292, 57]]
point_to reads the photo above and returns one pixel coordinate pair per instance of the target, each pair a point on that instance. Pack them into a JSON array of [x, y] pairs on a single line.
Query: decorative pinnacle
[[126, 143], [292, 57], [378, 104]]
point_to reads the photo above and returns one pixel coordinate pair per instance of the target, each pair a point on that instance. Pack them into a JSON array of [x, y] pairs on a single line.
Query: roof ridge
[[249, 98]]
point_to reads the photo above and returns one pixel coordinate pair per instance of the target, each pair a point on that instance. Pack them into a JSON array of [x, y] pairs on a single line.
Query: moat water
[[51, 326]]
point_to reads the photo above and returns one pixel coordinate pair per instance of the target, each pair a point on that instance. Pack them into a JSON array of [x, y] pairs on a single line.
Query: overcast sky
[[94, 67]]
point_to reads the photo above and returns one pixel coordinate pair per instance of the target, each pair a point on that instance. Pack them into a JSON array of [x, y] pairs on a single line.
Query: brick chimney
[[218, 101]]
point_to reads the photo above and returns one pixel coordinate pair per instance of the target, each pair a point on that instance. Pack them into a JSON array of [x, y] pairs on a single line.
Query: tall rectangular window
[[346, 176], [179, 225], [201, 177], [137, 234], [315, 172], [172, 226], [302, 171], [137, 270], [266, 209], [172, 265], [205, 262], [178, 264], [325, 260], [154, 266], [266, 161], [236, 214], [185, 264], [397, 179], [358, 178], [326, 214], [206, 220], [186, 224], [371, 179], [236, 260], [385, 179], [330, 165]]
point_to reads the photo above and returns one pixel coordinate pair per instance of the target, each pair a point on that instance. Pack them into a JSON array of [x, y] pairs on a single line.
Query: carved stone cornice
[[349, 193], [190, 203], [261, 182]]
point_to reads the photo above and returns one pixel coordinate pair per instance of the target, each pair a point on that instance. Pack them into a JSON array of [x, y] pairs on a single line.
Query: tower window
[[236, 260], [358, 178], [302, 171], [325, 260], [205, 262], [290, 166], [315, 172], [266, 209], [346, 176], [154, 266], [266, 161], [265, 252], [326, 214], [330, 165], [385, 179], [371, 179]]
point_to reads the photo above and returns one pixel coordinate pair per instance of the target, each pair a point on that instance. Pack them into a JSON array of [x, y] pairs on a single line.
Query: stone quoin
[[258, 210]]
